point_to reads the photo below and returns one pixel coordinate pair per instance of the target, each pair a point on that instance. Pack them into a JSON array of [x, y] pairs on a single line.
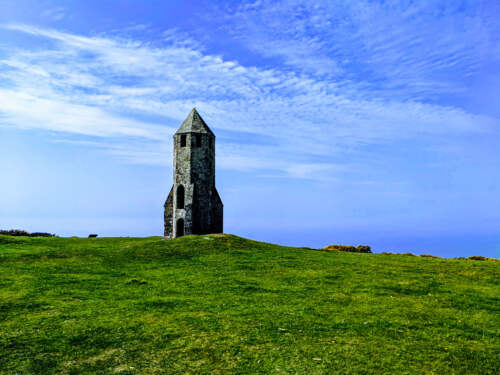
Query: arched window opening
[[179, 228], [180, 197], [183, 140]]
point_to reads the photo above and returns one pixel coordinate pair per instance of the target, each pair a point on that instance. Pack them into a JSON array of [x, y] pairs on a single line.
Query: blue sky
[[355, 122]]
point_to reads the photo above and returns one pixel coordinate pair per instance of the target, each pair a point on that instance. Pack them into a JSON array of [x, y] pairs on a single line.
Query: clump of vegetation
[[14, 232], [148, 306], [363, 249], [41, 234], [478, 257], [349, 248], [408, 254], [20, 232]]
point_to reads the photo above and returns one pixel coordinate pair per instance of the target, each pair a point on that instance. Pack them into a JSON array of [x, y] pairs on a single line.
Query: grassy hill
[[226, 305]]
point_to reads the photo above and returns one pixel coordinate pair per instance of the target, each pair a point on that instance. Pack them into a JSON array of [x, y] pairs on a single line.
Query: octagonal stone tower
[[193, 205]]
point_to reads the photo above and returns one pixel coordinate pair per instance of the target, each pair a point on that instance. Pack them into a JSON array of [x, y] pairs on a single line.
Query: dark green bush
[[349, 248], [41, 234], [14, 232], [20, 232], [364, 249], [477, 257]]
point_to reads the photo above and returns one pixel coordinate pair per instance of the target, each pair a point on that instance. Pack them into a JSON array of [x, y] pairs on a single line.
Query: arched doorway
[[180, 196], [179, 228]]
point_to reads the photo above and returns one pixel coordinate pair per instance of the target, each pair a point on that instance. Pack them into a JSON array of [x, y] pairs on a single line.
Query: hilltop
[[227, 305]]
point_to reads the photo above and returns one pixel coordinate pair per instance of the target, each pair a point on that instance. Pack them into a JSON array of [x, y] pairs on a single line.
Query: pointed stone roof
[[194, 124]]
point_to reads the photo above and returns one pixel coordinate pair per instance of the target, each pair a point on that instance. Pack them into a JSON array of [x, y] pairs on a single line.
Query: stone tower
[[193, 205]]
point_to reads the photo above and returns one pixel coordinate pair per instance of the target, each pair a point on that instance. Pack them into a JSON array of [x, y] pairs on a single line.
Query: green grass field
[[223, 304]]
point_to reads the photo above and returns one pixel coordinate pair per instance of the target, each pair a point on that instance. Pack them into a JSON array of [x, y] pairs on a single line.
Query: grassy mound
[[226, 305]]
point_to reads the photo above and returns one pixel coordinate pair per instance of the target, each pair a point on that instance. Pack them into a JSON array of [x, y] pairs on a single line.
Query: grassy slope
[[229, 305]]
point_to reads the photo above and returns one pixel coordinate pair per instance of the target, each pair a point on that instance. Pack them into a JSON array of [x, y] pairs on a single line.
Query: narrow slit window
[[180, 196], [183, 140], [198, 140]]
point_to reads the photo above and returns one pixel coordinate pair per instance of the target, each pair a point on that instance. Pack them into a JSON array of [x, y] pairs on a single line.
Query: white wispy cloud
[[404, 48], [34, 111], [114, 87]]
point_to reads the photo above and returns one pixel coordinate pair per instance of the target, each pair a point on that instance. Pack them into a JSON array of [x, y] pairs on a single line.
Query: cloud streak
[[402, 48], [124, 93]]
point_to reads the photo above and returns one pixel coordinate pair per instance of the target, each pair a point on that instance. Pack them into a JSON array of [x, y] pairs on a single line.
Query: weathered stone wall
[[202, 173], [182, 176], [194, 169], [217, 215], [167, 216]]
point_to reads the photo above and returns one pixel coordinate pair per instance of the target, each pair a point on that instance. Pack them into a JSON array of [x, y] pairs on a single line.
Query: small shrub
[[429, 256], [339, 248], [364, 249], [20, 232], [41, 234], [14, 232], [477, 257], [349, 248], [408, 255]]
